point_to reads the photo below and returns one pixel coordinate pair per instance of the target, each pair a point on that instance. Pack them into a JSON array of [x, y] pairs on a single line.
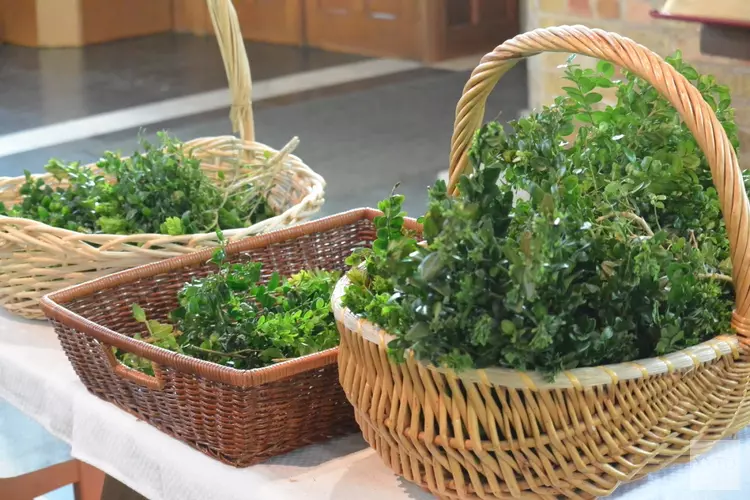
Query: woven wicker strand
[[501, 433], [36, 258]]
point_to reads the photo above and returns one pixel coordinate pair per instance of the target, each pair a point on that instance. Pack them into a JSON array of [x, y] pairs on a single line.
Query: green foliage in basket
[[230, 318], [161, 189], [558, 254]]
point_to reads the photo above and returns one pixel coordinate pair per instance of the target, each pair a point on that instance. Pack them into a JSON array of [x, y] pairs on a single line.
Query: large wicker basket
[[500, 433], [238, 416], [36, 258]]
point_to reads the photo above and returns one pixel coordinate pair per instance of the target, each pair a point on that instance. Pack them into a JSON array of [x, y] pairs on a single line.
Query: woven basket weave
[[240, 417], [36, 258], [500, 433]]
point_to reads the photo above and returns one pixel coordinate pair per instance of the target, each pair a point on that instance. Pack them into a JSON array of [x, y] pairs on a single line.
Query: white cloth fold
[[35, 376]]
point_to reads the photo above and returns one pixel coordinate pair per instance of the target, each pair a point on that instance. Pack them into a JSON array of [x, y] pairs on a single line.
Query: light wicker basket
[[500, 433], [36, 258]]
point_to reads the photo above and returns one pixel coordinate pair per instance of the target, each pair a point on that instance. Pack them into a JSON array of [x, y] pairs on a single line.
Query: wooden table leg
[[87, 482], [90, 483], [115, 490]]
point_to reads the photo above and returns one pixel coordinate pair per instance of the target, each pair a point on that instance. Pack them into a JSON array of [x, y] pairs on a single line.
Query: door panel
[[493, 10], [477, 25], [370, 27], [340, 6], [395, 7], [418, 29], [458, 12], [19, 22], [191, 16], [274, 21], [105, 20]]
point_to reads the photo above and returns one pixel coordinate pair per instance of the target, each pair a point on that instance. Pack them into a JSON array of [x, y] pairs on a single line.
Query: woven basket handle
[[697, 114], [155, 383], [229, 36]]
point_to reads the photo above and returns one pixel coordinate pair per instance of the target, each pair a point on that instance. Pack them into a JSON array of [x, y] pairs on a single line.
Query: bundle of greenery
[[161, 189], [233, 318], [617, 251]]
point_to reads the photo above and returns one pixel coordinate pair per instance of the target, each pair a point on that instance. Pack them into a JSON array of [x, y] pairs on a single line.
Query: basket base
[[464, 440], [412, 470], [344, 427]]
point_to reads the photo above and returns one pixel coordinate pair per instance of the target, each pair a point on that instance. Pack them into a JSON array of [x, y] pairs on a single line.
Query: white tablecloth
[[36, 377]]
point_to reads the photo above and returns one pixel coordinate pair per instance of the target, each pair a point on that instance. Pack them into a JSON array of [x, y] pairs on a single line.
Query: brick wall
[[631, 18]]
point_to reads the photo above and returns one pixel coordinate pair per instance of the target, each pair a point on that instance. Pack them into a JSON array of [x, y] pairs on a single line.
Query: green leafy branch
[[237, 318], [161, 189], [618, 252]]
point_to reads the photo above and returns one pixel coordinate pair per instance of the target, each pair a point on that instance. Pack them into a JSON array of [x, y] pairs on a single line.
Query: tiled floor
[[363, 137], [40, 87]]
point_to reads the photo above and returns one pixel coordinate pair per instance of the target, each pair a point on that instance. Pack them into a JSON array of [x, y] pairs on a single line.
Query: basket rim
[[576, 378], [314, 187], [53, 306]]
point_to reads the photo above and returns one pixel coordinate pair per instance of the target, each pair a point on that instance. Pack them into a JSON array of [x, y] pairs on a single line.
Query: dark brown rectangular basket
[[240, 417]]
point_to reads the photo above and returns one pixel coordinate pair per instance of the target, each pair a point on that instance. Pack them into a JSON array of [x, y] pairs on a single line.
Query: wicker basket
[[36, 258], [238, 416], [500, 433]]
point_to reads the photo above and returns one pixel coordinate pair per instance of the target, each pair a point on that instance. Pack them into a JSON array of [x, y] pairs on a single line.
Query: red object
[[703, 20]]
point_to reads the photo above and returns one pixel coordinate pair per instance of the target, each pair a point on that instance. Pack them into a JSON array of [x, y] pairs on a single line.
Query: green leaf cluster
[[160, 189], [231, 317], [586, 235], [159, 334], [372, 291]]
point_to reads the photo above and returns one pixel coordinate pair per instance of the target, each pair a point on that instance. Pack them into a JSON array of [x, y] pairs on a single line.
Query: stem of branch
[[693, 240], [630, 216], [715, 276]]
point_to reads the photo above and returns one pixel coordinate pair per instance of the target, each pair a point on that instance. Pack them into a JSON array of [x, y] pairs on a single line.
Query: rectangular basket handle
[[155, 383]]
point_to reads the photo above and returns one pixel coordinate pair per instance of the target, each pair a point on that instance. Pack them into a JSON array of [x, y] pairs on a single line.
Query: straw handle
[[697, 114], [229, 36]]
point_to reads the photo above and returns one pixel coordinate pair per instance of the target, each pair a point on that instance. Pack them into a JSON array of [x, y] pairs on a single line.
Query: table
[[36, 377]]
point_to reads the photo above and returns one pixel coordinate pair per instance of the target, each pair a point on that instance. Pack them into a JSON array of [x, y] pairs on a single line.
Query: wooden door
[[191, 16], [471, 26], [368, 27], [107, 20], [2, 22], [19, 24], [271, 21]]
